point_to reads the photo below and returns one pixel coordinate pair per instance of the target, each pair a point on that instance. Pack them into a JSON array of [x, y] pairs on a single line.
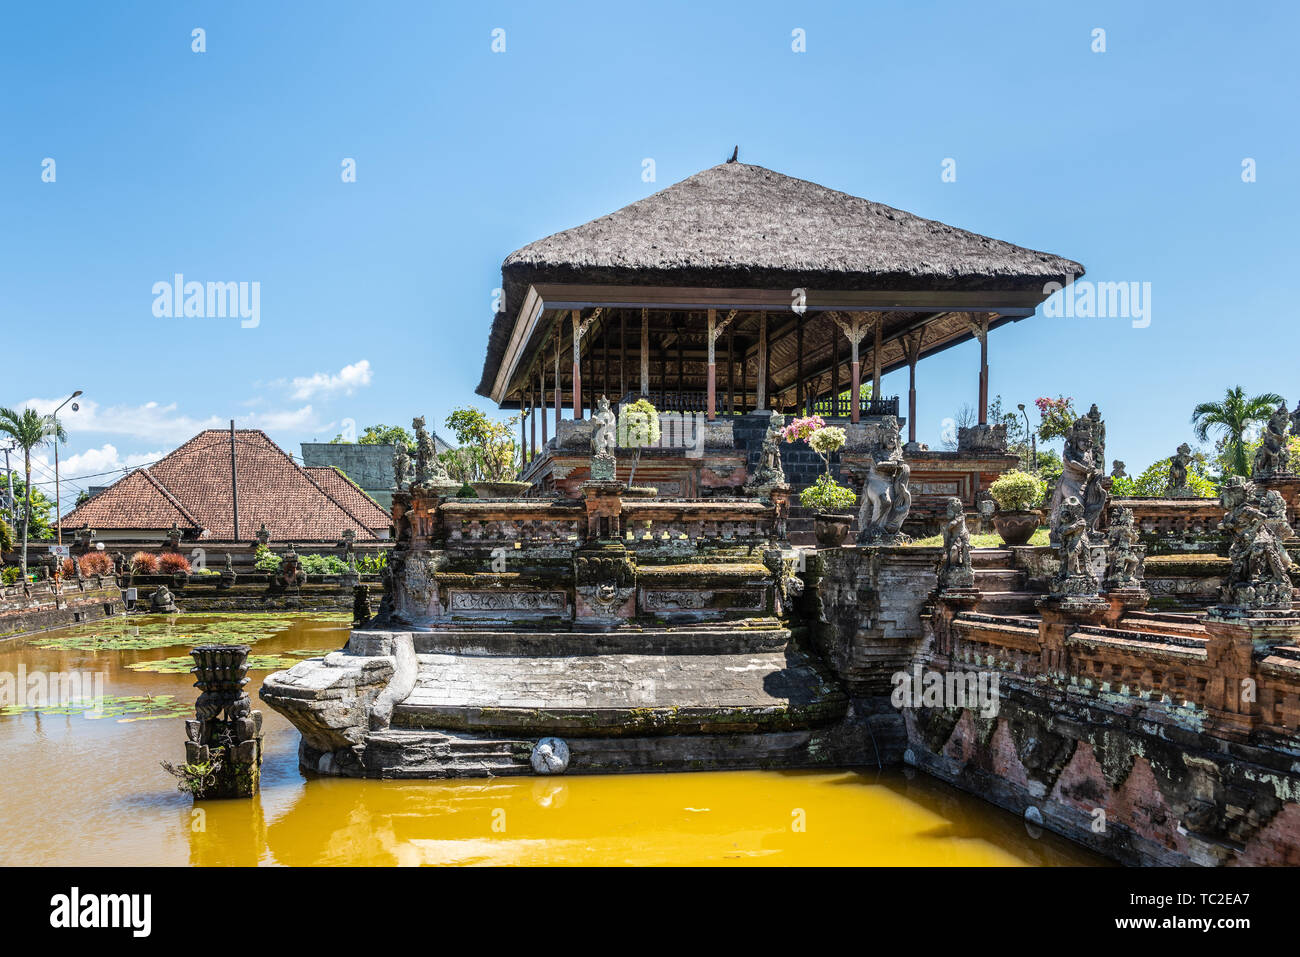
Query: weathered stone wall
[[42, 605]]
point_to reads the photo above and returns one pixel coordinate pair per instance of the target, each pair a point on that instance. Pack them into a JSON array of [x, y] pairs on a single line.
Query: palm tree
[[1232, 418], [30, 430]]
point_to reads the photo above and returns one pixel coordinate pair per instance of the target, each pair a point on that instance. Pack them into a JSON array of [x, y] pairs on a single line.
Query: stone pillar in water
[[225, 737]]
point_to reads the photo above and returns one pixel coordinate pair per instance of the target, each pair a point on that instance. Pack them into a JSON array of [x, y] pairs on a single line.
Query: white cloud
[[87, 468], [150, 422], [347, 380]]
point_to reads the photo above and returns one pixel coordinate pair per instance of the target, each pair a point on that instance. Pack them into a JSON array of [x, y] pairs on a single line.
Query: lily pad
[[123, 708]]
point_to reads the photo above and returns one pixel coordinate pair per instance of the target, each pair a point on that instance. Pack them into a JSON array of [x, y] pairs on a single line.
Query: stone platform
[[737, 692]]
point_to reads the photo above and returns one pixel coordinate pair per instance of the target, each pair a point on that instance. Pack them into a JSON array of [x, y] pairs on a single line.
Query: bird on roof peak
[[734, 154]]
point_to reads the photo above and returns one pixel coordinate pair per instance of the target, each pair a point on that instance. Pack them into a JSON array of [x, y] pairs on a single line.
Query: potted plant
[[1016, 493], [830, 527]]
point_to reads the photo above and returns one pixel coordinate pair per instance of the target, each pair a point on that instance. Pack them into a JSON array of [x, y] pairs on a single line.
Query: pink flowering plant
[[825, 440]]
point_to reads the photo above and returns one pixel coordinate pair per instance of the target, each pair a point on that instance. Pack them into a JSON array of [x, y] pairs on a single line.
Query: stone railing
[[470, 521], [1176, 524], [701, 521]]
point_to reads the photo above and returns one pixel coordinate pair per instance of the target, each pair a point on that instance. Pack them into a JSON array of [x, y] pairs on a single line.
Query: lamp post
[[58, 508], [1033, 445]]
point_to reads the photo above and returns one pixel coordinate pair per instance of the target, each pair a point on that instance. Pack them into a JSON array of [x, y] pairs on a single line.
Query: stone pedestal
[[604, 580], [1061, 615], [1122, 600], [604, 501]]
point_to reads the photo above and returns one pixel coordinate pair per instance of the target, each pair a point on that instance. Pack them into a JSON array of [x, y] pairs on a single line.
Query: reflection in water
[[80, 791]]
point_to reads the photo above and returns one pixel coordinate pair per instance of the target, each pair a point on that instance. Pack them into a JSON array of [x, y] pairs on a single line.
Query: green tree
[[1154, 480], [1231, 419], [380, 435], [486, 446], [30, 430]]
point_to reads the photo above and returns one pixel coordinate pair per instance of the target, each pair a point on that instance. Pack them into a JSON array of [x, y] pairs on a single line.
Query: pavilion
[[741, 290]]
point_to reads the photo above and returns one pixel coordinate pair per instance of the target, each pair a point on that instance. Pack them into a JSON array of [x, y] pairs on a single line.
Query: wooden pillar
[[979, 328], [798, 367], [731, 372], [835, 371], [541, 395], [645, 351], [576, 316], [622, 353], [875, 360], [523, 439], [681, 362], [532, 424], [912, 352], [760, 389], [559, 396], [711, 382]]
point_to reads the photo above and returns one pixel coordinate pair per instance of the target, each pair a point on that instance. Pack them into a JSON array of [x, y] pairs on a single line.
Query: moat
[[85, 790]]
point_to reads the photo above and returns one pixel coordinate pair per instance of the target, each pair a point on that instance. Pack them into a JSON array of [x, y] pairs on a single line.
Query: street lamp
[[1033, 445], [54, 417]]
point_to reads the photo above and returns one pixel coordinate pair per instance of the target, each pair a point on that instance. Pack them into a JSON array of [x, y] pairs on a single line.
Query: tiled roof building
[[192, 487]]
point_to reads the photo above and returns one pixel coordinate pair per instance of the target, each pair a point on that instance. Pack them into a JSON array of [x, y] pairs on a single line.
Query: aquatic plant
[[196, 779]]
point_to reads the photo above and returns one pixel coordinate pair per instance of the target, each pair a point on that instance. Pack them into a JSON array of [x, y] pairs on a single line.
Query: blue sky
[[376, 295]]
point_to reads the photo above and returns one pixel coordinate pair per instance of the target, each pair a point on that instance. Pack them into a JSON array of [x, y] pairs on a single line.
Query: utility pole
[[234, 483], [9, 474]]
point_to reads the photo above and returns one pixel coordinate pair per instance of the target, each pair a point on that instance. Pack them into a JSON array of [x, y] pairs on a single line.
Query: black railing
[[838, 407]]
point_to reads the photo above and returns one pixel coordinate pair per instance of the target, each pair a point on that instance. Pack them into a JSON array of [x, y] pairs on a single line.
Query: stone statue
[[886, 498], [228, 573], [1081, 478], [956, 570], [1074, 576], [1273, 455], [174, 534], [1295, 420], [401, 465], [1117, 469], [1098, 436], [290, 573], [119, 564], [604, 436], [263, 535], [1178, 463], [769, 470], [1123, 551], [226, 733], [604, 440], [1259, 572], [162, 602], [424, 452]]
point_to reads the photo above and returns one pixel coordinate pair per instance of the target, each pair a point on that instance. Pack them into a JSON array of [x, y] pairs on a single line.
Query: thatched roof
[[737, 225]]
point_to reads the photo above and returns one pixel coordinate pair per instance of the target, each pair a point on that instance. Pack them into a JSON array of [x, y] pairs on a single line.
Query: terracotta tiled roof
[[344, 491], [192, 487]]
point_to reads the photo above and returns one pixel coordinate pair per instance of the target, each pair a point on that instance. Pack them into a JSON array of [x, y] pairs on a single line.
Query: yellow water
[[78, 790]]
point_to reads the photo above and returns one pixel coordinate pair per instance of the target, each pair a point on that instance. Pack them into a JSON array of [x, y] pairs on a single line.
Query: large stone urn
[[501, 489], [831, 528], [1018, 527]]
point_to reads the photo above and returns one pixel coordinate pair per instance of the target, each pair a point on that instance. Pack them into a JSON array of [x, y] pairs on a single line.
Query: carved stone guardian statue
[[604, 440], [1074, 576], [1081, 478], [1273, 455], [886, 498], [769, 471], [1178, 463], [956, 570], [1123, 550], [1259, 572]]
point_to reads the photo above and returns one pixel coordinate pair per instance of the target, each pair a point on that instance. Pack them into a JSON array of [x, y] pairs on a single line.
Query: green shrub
[[1154, 482], [638, 424], [826, 493], [1017, 491], [10, 575], [322, 564], [265, 560]]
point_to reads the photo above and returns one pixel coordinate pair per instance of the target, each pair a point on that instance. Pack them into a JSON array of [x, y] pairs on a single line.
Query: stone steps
[[714, 638], [992, 558], [999, 579]]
